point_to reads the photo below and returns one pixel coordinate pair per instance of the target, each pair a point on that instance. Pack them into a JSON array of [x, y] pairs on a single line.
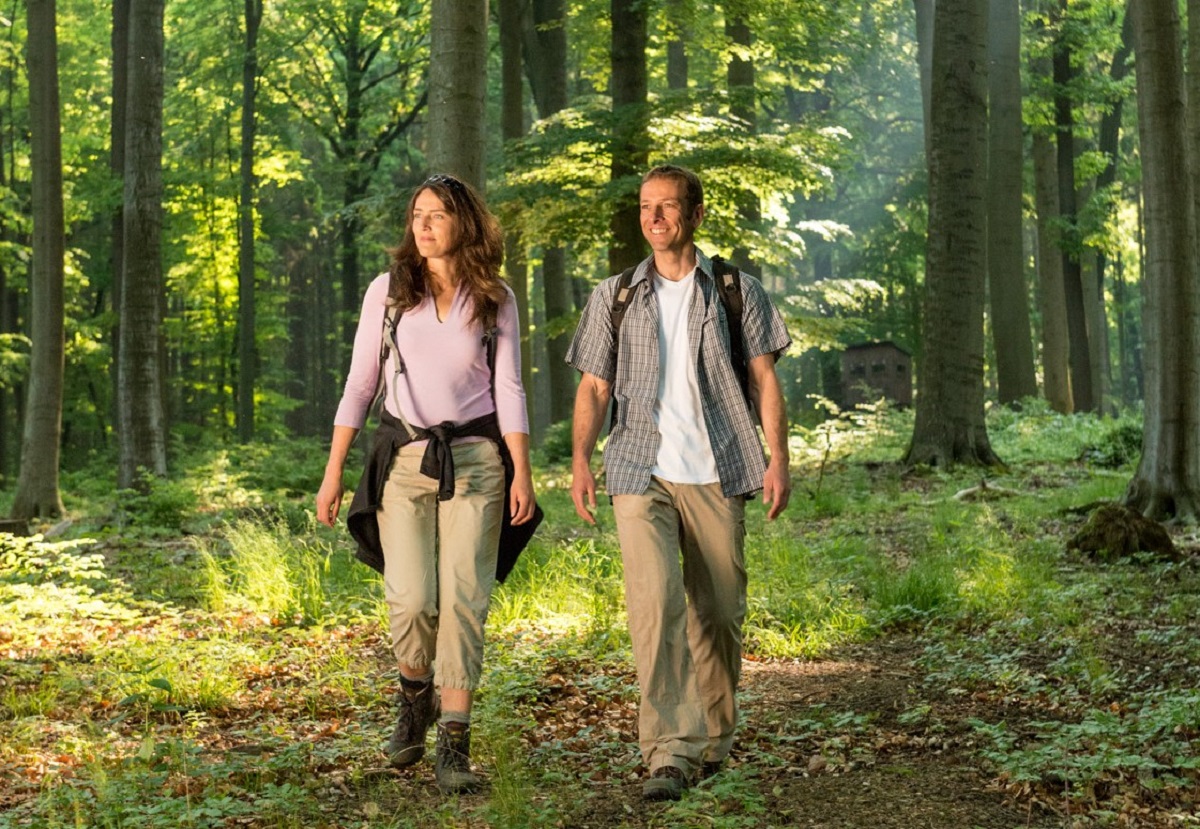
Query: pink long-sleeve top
[[446, 374]]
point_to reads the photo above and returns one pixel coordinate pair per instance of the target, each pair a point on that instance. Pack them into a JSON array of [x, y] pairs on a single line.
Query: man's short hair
[[691, 181]]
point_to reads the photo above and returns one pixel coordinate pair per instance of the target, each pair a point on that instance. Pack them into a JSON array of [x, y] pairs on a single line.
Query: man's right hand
[[583, 492]]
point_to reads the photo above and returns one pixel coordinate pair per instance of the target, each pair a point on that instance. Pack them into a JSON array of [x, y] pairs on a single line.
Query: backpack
[[729, 289]]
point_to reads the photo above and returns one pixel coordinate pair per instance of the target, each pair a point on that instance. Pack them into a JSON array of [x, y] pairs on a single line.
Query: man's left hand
[[777, 489]]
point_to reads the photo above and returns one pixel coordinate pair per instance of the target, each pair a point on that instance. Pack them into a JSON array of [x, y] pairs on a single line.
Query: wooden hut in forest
[[874, 370]]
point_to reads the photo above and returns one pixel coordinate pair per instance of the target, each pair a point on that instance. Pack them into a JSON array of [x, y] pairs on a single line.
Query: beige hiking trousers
[[440, 560], [685, 620]]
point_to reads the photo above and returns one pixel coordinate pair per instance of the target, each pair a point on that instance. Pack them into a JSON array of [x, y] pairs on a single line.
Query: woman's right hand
[[329, 498]]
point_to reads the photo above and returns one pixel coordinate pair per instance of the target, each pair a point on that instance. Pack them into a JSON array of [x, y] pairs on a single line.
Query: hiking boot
[[419, 709], [667, 783], [453, 766]]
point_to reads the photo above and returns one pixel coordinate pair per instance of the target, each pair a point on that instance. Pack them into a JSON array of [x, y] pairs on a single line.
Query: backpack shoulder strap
[[387, 344], [491, 333], [621, 297], [729, 288]]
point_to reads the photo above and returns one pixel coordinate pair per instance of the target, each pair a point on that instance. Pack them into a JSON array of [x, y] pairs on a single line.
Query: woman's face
[[434, 227]]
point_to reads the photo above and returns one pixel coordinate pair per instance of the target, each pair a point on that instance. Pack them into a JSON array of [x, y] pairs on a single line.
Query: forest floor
[[916, 659]]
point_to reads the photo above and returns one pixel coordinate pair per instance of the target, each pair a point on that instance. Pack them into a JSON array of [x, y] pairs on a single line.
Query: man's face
[[667, 223]]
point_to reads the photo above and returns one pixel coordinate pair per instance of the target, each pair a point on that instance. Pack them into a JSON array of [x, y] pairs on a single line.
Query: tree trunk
[[629, 153], [924, 11], [247, 352], [1005, 261], [546, 64], [679, 33], [120, 85], [1052, 297], [1064, 119], [141, 422], [512, 125], [1167, 481], [458, 37], [37, 493], [1097, 325], [742, 106], [950, 426], [1110, 146]]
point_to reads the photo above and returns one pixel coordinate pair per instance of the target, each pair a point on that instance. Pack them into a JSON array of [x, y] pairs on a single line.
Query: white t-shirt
[[685, 455]]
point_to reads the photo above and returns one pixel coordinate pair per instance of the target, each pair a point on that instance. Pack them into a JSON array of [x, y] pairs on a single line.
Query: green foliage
[[556, 446], [1152, 747], [267, 568], [560, 185], [1119, 445], [164, 507]]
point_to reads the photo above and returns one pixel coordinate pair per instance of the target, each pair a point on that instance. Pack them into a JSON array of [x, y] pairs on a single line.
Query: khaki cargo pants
[[685, 621]]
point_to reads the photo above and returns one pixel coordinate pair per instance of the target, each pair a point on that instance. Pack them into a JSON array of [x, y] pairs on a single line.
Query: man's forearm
[[591, 402], [772, 412]]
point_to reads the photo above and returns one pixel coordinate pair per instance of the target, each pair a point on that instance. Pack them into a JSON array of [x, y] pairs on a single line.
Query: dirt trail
[[831, 744]]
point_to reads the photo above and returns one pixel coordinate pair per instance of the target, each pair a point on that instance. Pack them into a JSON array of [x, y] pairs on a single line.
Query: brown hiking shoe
[[667, 783], [417, 711], [453, 765]]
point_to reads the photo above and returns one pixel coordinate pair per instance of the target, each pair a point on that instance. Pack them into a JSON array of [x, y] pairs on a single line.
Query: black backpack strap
[[729, 288], [490, 335], [621, 297]]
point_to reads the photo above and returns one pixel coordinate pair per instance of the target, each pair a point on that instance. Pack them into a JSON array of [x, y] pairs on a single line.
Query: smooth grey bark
[[1052, 297], [924, 12], [740, 76], [1007, 292], [141, 422], [950, 426], [546, 65], [679, 32], [1109, 144], [1077, 331], [1167, 481], [629, 153], [116, 165], [247, 351], [458, 35], [512, 126], [37, 494]]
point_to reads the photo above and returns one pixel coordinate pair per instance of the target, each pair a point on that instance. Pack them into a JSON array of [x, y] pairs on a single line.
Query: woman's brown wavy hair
[[477, 253]]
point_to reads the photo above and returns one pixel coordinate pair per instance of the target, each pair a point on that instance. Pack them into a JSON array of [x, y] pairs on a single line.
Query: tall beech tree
[[1052, 296], [629, 151], [923, 9], [1005, 261], [247, 351], [679, 32], [512, 128], [950, 426], [744, 109], [1064, 120], [545, 54], [458, 40], [37, 485], [116, 165], [141, 421], [1167, 481]]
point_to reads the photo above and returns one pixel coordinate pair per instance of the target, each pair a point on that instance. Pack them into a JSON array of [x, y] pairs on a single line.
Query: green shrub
[[1120, 444]]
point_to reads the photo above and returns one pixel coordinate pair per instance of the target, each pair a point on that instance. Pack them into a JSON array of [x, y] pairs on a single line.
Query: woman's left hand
[[521, 500]]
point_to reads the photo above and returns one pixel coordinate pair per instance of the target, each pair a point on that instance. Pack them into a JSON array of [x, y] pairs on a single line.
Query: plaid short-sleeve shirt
[[632, 447]]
